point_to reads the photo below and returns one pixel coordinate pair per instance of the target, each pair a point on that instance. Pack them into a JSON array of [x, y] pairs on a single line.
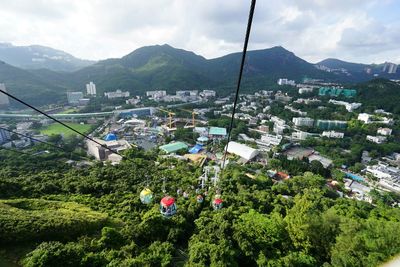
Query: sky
[[365, 31]]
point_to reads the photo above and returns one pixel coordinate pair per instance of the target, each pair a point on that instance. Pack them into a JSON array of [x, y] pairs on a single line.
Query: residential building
[[335, 92], [389, 67], [298, 111], [350, 107], [279, 128], [4, 100], [156, 94], [245, 152], [116, 94], [300, 135], [389, 177], [270, 139], [5, 136], [384, 131], [277, 120], [91, 89], [279, 96], [208, 93], [365, 117], [304, 90], [73, 97], [376, 139], [83, 101], [332, 134], [284, 81], [300, 121], [133, 101], [331, 124]]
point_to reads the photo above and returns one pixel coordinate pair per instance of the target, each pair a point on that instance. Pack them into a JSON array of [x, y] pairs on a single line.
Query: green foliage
[[34, 219], [297, 222]]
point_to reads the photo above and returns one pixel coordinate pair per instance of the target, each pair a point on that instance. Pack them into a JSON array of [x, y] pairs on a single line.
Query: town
[[294, 127]]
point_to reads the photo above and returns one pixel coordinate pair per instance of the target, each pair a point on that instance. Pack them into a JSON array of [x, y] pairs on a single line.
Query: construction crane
[[170, 114], [193, 118]]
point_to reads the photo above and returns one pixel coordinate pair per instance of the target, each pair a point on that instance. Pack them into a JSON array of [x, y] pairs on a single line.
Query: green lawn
[[56, 128]]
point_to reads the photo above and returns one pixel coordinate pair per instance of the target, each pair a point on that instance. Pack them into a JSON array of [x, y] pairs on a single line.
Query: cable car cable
[[58, 121], [246, 41], [32, 138]]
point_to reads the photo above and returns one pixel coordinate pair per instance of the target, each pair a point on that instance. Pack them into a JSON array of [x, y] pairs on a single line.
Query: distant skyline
[[351, 30]]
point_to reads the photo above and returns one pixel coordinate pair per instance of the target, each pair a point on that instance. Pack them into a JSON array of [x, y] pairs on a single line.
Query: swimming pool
[[354, 177]]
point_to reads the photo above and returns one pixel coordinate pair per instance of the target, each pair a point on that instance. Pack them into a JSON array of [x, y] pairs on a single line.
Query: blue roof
[[110, 137], [196, 149]]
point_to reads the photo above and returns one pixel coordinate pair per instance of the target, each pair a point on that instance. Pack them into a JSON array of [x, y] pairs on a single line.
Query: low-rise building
[[384, 131], [331, 124], [300, 121], [389, 177], [100, 153], [116, 94], [156, 94], [350, 107], [245, 152], [304, 90], [376, 139], [300, 135], [208, 93], [365, 117], [5, 135], [285, 81], [270, 139], [173, 147], [217, 133], [332, 134], [336, 92], [74, 97]]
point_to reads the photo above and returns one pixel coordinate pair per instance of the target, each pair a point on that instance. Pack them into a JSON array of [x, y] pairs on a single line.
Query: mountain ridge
[[38, 57], [168, 68]]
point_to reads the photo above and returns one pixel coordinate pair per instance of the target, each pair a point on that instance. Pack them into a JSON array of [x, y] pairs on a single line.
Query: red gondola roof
[[217, 201], [167, 201]]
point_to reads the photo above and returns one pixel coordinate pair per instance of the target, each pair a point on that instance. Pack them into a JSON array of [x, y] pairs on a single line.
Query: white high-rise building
[[91, 88], [4, 101]]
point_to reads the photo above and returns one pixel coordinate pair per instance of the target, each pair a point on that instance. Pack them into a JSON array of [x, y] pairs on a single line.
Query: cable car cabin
[[217, 204], [200, 199], [167, 206], [146, 196]]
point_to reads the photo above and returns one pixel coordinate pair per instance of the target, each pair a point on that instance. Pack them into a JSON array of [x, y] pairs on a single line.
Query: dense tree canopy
[[297, 222]]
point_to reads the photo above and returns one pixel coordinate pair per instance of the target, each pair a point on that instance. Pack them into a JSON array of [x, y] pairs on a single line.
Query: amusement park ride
[[168, 207]]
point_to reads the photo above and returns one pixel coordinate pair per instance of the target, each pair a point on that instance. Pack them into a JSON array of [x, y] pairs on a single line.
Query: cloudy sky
[[355, 30]]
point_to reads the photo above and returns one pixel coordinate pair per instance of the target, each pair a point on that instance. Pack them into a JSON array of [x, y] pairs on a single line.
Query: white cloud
[[96, 29]]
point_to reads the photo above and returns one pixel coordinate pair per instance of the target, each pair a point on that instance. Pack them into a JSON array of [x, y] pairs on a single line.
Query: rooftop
[[173, 147], [217, 131]]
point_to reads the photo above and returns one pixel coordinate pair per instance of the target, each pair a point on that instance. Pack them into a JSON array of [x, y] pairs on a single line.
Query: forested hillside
[[298, 222]]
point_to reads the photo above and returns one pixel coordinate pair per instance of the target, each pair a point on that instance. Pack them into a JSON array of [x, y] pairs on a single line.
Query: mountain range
[[38, 57], [165, 67]]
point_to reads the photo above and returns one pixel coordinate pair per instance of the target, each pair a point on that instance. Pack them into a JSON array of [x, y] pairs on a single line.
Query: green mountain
[[380, 94], [29, 86], [38, 57], [358, 71], [171, 69]]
